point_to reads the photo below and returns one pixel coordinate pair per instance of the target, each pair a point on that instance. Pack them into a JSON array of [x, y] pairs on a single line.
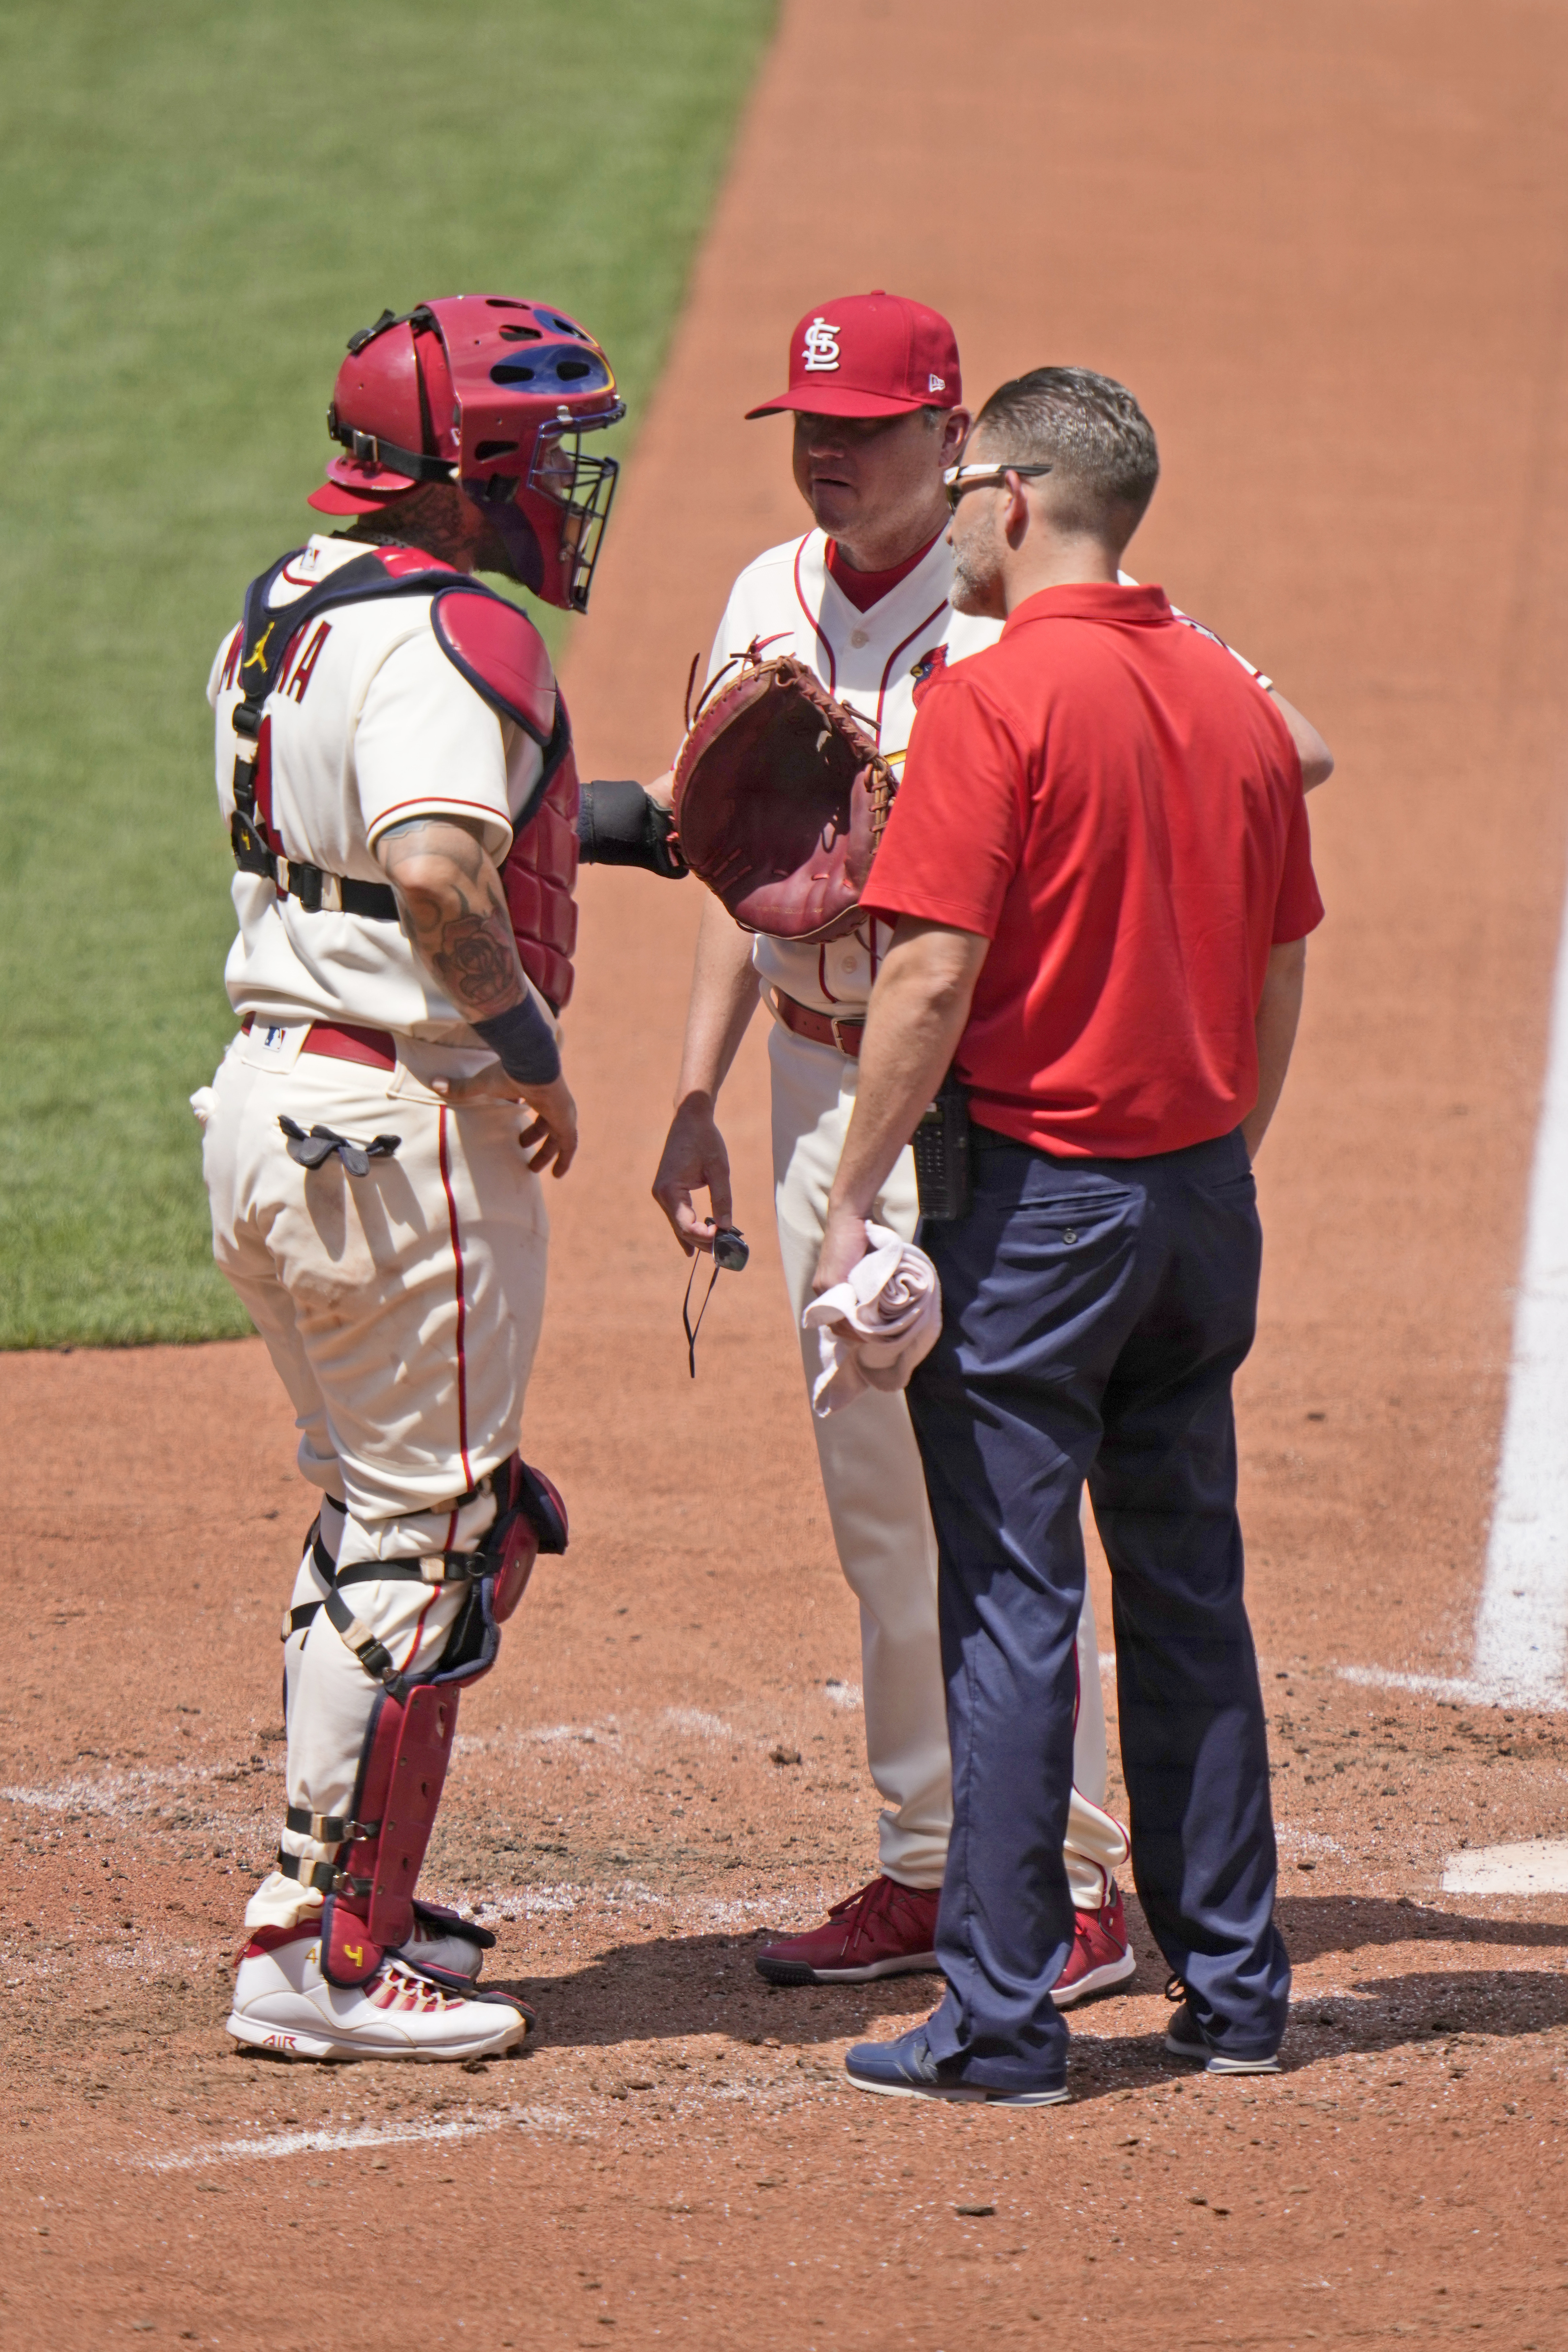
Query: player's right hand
[[550, 1136], [694, 1161]]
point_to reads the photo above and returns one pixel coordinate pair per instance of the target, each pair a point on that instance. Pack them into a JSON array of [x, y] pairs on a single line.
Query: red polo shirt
[[1109, 798]]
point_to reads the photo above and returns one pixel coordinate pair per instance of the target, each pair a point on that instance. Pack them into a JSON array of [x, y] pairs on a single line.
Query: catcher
[[394, 765], [780, 789]]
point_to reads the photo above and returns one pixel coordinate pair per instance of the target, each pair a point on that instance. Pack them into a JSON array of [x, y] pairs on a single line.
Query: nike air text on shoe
[[884, 1931], [1100, 1956], [905, 2069], [283, 2003], [1184, 2039]]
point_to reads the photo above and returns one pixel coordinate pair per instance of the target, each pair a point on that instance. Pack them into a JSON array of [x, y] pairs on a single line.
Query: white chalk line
[[1521, 1624], [1520, 1655], [346, 2142]]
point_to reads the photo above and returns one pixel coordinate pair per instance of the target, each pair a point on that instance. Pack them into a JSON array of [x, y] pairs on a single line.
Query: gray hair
[[1092, 434]]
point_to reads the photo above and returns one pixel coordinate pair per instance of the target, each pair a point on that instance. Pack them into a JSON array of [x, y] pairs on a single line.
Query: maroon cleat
[[1100, 1955], [885, 1930]]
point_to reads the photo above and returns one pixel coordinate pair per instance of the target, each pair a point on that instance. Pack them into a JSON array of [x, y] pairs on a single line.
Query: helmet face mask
[[494, 395], [580, 489]]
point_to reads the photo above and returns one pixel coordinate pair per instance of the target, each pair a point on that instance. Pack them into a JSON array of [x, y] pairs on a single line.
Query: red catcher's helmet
[[493, 394]]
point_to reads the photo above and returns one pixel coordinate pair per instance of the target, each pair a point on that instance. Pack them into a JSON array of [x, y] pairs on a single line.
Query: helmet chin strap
[[524, 557]]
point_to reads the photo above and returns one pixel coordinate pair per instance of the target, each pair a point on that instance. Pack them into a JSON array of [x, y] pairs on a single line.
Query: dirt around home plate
[[668, 1759], [1317, 242]]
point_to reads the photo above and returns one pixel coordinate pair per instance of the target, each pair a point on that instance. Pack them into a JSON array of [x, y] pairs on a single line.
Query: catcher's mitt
[[781, 795]]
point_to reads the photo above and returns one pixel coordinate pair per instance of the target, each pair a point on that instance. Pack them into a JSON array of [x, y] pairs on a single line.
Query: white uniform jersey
[[787, 602], [370, 724]]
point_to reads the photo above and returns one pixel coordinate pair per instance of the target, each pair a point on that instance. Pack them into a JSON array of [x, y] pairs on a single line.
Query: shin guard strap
[[324, 1877], [373, 1655], [326, 1829]]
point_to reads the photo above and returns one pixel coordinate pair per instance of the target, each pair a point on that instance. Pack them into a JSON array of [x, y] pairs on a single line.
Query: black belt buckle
[[943, 1172]]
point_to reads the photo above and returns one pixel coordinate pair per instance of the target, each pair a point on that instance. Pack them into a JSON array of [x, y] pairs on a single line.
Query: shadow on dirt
[[675, 1987], [1313, 1925]]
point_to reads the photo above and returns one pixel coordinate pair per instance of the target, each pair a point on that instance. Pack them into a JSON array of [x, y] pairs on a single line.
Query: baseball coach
[[1100, 872]]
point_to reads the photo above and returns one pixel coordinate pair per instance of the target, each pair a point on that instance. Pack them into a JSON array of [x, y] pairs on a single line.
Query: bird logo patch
[[930, 665]]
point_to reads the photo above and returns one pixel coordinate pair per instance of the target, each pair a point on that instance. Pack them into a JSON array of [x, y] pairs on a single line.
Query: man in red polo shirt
[[1100, 872]]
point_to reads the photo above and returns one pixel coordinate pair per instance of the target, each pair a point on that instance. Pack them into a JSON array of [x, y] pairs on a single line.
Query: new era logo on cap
[[874, 355]]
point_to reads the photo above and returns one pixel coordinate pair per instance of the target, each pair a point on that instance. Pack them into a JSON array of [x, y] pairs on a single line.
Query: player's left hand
[[661, 791], [550, 1136], [844, 1244]]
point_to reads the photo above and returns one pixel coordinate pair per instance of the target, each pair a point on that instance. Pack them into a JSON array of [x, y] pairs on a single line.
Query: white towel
[[873, 1328]]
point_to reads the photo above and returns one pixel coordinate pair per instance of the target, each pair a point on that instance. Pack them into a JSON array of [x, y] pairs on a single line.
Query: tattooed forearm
[[456, 913], [476, 963]]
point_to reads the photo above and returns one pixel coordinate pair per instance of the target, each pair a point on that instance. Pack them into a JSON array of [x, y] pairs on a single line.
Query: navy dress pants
[[1094, 1313]]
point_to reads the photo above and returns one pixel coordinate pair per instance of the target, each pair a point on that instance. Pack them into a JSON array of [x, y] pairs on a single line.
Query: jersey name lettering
[[821, 348], [306, 663]]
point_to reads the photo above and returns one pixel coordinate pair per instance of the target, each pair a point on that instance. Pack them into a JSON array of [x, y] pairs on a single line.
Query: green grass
[[198, 203]]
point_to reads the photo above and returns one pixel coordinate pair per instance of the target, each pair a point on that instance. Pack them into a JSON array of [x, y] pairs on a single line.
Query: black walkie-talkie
[[941, 1155]]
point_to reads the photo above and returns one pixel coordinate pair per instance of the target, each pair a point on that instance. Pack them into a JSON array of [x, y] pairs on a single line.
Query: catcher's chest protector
[[503, 657]]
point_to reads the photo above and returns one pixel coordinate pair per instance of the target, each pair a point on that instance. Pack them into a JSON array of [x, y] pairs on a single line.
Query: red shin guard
[[401, 1775]]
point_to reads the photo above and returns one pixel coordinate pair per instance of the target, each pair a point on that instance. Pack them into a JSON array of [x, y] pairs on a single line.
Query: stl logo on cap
[[869, 355], [820, 350]]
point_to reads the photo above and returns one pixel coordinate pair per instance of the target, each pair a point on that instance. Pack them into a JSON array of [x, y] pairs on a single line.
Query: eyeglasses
[[731, 1252], [956, 479]]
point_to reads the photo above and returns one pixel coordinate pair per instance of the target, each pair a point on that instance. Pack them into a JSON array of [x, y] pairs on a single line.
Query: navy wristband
[[523, 1043]]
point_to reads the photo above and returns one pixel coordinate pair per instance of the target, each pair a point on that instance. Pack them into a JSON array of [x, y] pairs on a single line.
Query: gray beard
[[967, 587]]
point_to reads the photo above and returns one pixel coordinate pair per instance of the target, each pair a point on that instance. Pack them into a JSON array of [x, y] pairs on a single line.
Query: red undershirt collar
[[865, 589]]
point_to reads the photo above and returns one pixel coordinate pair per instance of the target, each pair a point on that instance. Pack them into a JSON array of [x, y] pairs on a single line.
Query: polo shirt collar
[[1091, 600]]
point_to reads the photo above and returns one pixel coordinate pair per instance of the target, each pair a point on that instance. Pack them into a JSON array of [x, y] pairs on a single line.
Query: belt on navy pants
[[344, 1042]]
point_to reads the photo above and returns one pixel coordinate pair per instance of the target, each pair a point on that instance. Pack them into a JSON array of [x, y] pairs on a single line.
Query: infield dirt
[[1324, 245]]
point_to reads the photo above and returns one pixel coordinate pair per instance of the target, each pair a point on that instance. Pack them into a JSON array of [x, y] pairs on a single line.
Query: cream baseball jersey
[[370, 724]]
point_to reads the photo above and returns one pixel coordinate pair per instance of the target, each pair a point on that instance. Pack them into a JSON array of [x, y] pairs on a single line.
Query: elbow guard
[[618, 825]]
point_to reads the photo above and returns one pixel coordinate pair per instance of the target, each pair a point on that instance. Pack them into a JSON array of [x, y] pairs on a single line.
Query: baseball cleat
[[1184, 2039], [905, 2069], [283, 2003], [885, 1929], [1100, 1956]]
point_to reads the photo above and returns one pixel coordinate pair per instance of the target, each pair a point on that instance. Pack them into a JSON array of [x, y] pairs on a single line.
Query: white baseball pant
[[875, 1487], [402, 1310]]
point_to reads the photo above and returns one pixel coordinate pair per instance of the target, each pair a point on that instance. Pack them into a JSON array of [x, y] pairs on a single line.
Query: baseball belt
[[376, 1049], [820, 1028]]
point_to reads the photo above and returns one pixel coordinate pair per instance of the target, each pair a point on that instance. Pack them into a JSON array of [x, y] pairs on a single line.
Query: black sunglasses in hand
[[731, 1252]]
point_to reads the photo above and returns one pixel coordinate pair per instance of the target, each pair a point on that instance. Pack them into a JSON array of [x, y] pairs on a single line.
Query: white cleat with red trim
[[284, 2004]]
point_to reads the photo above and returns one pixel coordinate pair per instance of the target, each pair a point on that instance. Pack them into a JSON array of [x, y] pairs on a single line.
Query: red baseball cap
[[870, 355]]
